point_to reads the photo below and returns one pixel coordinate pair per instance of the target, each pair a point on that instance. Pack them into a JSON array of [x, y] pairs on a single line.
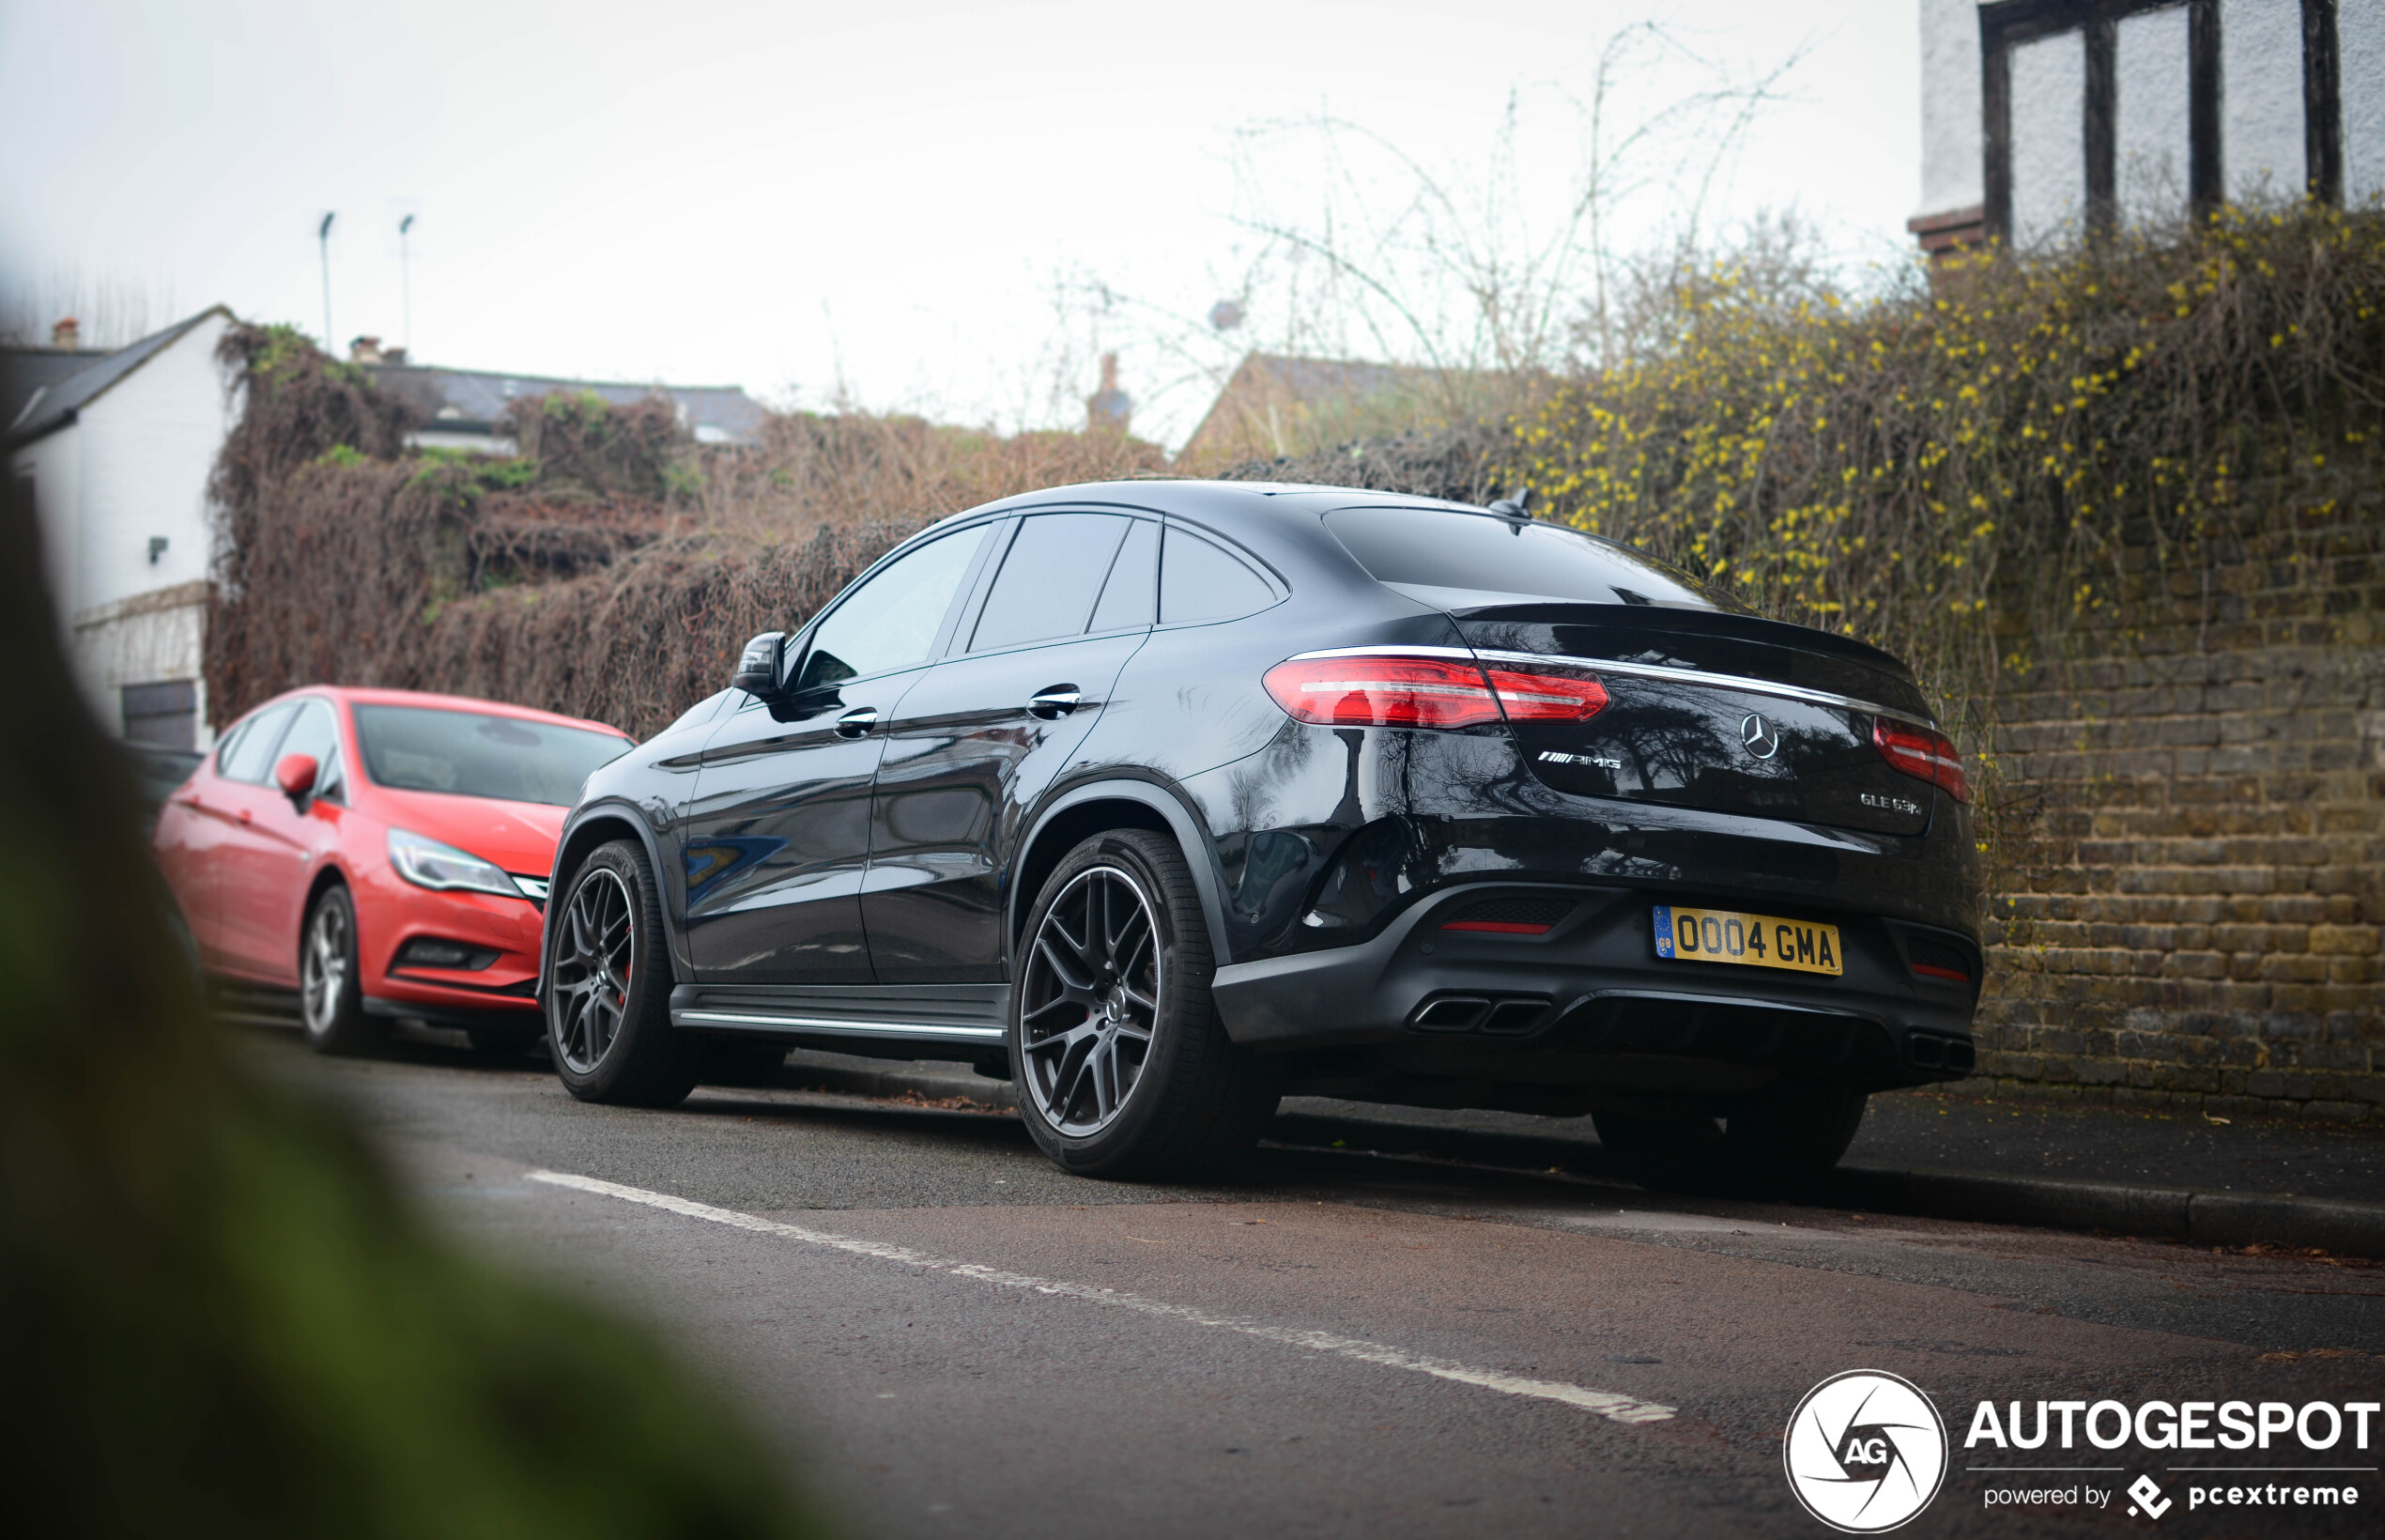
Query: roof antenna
[[1519, 506]]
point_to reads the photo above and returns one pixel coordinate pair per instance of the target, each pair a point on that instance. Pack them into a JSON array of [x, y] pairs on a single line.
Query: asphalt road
[[949, 1337]]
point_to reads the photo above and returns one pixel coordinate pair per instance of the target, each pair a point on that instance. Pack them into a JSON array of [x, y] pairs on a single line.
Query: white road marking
[[1607, 1404]]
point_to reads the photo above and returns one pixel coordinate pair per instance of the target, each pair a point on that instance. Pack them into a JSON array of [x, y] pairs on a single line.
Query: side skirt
[[973, 1015]]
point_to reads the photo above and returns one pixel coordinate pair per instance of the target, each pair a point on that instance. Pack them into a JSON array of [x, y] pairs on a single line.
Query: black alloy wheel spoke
[[1088, 1006], [1073, 980], [593, 970]]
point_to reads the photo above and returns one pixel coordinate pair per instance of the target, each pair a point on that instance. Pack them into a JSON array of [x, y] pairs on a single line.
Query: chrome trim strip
[[1640, 670], [822, 1023]]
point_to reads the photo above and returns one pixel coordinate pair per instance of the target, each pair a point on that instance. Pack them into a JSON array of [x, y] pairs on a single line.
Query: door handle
[[1054, 702], [857, 723], [245, 815]]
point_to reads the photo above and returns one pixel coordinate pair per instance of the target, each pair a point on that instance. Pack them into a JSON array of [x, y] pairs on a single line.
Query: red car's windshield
[[423, 748]]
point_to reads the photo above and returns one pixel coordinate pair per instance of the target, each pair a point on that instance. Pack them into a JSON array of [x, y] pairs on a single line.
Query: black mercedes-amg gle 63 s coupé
[[1168, 799]]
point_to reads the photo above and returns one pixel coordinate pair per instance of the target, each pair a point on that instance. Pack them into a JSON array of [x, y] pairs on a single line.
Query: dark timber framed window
[[2009, 24]]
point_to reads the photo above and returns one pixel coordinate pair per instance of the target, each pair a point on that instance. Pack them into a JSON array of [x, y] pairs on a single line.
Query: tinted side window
[[1201, 581], [1437, 547], [1131, 597], [1050, 579], [892, 620], [313, 734], [252, 755]]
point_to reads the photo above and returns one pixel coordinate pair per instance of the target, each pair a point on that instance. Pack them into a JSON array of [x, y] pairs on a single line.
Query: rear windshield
[[1456, 560], [423, 748]]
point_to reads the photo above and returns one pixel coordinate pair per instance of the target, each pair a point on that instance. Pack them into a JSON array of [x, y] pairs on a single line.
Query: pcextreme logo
[[1864, 1450]]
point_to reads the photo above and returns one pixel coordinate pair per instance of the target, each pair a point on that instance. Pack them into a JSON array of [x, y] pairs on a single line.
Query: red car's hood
[[519, 836]]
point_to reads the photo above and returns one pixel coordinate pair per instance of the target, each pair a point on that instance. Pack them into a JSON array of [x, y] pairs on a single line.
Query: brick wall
[[2189, 890]]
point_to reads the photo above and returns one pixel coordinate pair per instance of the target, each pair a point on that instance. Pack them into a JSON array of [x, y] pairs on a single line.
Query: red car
[[382, 853]]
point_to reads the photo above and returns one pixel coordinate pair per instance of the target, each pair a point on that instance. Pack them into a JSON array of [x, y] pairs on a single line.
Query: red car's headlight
[[426, 863]]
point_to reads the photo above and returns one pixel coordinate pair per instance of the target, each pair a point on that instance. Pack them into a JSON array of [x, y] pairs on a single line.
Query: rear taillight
[[1388, 690], [1546, 697], [1382, 692], [1921, 753]]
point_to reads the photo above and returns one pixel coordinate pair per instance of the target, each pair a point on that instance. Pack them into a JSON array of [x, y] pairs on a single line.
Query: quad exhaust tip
[[1494, 1015], [1930, 1051]]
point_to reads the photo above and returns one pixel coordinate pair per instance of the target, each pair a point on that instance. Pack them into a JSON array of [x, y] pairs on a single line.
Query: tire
[[503, 1039], [1659, 1151], [1123, 1069], [330, 981], [607, 1001], [1791, 1131], [734, 1061]]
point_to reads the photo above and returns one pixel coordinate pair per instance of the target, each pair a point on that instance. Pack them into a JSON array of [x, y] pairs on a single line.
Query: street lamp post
[[323, 238], [405, 283]]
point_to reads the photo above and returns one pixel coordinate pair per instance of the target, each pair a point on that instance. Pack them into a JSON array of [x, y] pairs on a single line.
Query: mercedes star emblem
[[1758, 734]]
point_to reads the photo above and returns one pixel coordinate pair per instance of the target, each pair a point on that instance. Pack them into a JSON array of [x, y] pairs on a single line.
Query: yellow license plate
[[1755, 941]]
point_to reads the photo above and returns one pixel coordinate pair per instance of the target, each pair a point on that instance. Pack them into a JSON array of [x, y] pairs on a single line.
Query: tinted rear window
[[422, 749], [1504, 558], [1199, 581], [1129, 597]]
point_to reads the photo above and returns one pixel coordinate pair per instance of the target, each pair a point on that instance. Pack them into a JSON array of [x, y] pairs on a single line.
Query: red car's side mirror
[[296, 774]]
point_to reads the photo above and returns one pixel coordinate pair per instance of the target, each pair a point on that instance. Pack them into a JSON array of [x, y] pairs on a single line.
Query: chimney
[[1106, 410], [364, 350], [67, 336]]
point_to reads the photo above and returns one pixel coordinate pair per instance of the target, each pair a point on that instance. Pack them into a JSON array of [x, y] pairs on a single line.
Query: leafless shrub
[[611, 571]]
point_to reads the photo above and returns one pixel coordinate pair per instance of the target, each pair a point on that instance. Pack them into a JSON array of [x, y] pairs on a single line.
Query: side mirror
[[296, 774], [762, 666]]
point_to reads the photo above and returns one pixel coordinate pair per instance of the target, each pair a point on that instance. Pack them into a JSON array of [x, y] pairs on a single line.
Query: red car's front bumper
[[393, 914]]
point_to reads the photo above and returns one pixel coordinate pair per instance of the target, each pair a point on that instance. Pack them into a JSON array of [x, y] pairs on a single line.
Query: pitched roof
[[1267, 385], [55, 404], [25, 370], [472, 400]]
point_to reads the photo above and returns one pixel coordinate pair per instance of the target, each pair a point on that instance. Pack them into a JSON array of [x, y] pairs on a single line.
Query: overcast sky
[[792, 196]]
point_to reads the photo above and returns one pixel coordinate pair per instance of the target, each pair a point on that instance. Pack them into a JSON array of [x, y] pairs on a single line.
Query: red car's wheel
[[331, 986]]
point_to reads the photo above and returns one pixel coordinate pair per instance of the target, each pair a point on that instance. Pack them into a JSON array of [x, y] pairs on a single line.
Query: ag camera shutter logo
[[1866, 1451]]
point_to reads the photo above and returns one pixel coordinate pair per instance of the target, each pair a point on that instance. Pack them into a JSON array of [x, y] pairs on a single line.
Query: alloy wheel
[[1089, 1005], [593, 965], [323, 967]]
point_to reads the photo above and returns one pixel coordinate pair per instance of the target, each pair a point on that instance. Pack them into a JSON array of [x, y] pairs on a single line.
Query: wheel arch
[[330, 874], [589, 829], [1085, 810]]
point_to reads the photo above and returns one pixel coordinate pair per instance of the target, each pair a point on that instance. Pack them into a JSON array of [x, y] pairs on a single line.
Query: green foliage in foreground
[[218, 1315]]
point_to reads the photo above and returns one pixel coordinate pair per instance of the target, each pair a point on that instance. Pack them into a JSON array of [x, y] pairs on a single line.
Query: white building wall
[[147, 447], [132, 466], [2261, 98], [2261, 112], [1950, 138], [2049, 126], [2360, 45], [2151, 121]]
